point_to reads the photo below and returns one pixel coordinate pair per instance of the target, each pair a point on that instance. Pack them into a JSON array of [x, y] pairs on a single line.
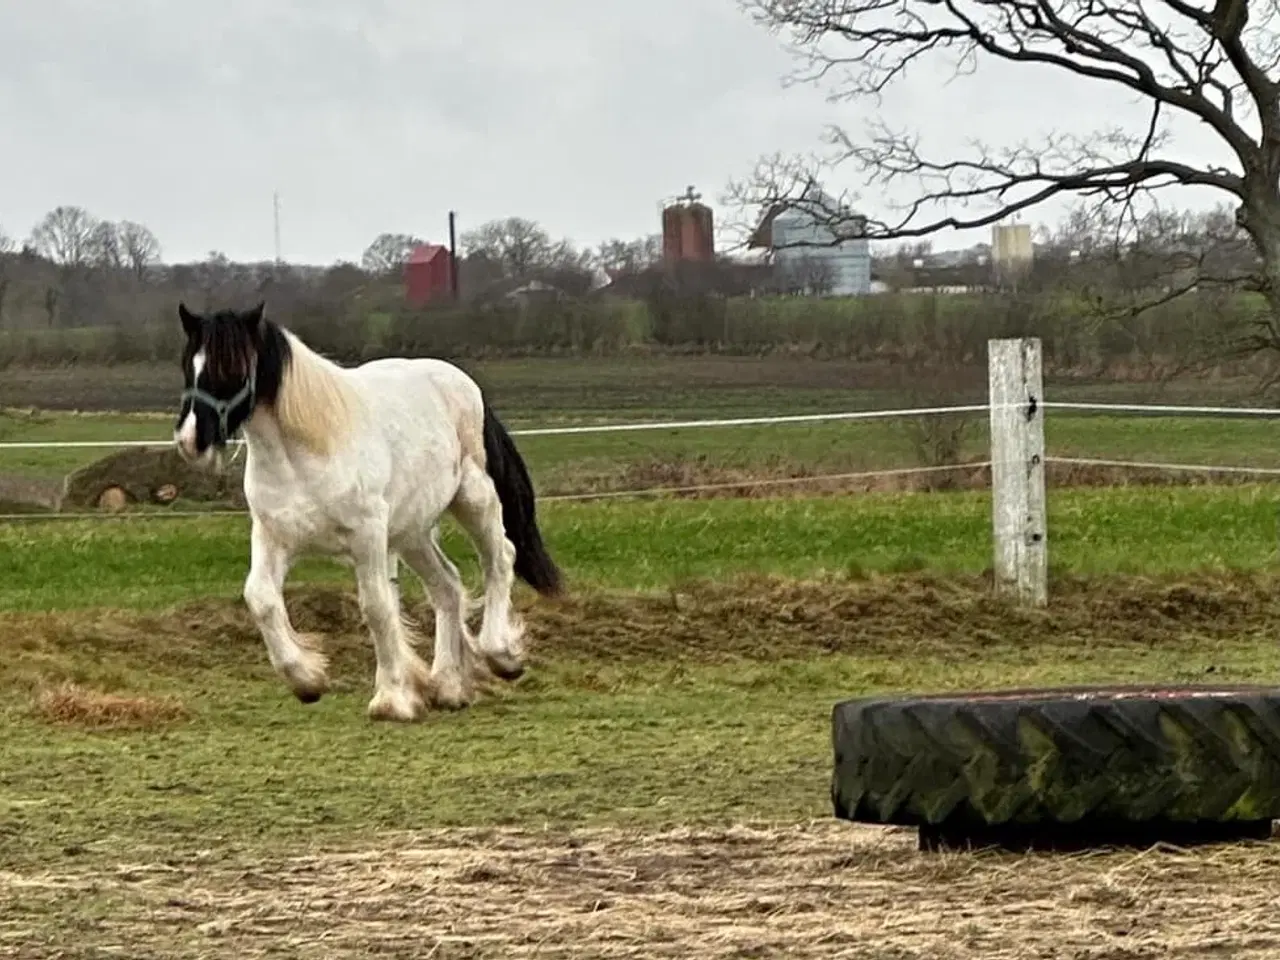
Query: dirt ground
[[824, 889]]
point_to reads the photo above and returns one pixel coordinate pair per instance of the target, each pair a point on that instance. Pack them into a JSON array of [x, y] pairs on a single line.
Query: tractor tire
[[1117, 756]]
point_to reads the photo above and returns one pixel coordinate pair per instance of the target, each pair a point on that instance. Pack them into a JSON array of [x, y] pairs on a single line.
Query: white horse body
[[362, 462], [403, 453]]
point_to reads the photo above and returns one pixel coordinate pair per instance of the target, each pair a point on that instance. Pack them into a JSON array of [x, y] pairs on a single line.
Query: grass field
[[534, 393], [679, 685], [578, 463], [656, 785]]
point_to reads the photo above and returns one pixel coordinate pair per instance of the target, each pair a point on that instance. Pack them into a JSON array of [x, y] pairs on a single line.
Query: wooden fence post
[[1019, 526]]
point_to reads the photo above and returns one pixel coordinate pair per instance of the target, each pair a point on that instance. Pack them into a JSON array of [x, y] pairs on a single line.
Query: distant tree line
[[76, 270], [83, 289]]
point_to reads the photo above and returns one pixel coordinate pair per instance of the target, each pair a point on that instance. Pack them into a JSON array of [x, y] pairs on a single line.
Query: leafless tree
[[6, 254], [104, 246], [51, 300], [1214, 64], [1165, 252], [629, 256], [222, 280], [139, 246], [518, 246], [523, 249], [342, 281], [897, 267], [808, 275], [65, 236], [388, 253]]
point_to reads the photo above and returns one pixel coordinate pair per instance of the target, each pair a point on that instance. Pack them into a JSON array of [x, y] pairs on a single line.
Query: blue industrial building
[[804, 246]]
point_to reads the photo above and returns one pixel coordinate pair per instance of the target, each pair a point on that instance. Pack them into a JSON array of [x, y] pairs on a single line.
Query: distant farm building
[[1012, 251], [428, 274], [804, 246], [688, 232]]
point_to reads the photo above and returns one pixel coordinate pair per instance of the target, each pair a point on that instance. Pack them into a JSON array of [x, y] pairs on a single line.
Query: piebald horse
[[362, 463]]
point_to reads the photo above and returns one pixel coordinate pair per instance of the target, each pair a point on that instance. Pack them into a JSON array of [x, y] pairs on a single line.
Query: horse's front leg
[[302, 666], [393, 574], [401, 680]]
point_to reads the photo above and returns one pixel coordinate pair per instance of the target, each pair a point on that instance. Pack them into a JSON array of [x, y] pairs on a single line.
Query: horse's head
[[220, 368]]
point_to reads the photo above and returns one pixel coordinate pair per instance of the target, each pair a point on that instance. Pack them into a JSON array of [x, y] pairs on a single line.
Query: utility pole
[[453, 256]]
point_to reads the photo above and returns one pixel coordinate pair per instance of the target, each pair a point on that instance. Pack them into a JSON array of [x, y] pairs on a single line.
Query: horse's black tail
[[515, 490]]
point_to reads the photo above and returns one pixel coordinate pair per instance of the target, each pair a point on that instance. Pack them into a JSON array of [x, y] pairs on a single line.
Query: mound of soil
[[144, 473], [20, 494], [753, 618]]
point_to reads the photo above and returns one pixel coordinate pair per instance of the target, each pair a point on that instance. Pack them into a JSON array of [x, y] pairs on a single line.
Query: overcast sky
[[381, 115]]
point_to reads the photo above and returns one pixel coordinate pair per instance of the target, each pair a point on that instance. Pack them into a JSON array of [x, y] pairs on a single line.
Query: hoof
[[450, 702], [310, 689], [504, 666], [449, 693], [307, 676], [394, 707]]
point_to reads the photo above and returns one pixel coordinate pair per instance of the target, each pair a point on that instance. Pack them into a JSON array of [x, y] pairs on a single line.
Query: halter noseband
[[222, 408]]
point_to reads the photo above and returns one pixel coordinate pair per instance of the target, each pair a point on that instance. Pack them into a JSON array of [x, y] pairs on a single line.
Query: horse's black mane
[[228, 344]]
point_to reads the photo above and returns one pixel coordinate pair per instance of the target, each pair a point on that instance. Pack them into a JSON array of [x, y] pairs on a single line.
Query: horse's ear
[[252, 319], [190, 322]]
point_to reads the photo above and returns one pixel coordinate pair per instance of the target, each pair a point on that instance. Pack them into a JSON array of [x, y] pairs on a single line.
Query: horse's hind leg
[[478, 509], [401, 679], [451, 679], [301, 666]]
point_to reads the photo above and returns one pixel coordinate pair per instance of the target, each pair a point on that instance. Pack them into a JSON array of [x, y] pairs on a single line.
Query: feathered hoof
[[449, 692], [308, 676], [395, 706], [504, 666]]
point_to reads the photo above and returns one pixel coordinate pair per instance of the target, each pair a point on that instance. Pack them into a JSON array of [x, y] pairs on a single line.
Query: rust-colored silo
[[688, 230], [672, 234]]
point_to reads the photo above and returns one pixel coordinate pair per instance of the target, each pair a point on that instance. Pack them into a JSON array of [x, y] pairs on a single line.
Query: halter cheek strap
[[222, 408]]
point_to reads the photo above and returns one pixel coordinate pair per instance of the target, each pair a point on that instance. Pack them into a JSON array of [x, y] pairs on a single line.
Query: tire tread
[[1173, 756]]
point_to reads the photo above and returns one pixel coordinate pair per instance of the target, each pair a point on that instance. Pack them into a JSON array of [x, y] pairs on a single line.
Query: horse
[[361, 463]]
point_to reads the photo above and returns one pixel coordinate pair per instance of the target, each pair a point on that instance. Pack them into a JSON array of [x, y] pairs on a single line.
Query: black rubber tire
[[1099, 754]]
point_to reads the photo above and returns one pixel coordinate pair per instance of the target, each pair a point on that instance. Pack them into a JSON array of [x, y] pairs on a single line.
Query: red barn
[[427, 274]]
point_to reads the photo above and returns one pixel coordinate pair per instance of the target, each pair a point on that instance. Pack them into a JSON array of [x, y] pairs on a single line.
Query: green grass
[[594, 734], [631, 460], [653, 698], [254, 770], [539, 392], [70, 428], [643, 545]]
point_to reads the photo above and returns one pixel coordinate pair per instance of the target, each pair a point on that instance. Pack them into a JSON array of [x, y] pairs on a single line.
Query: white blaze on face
[[185, 435]]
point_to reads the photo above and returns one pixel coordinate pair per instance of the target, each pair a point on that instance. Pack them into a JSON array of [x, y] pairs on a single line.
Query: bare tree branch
[[6, 249], [105, 251], [1210, 62], [389, 252], [139, 246], [65, 236], [1172, 56], [522, 248]]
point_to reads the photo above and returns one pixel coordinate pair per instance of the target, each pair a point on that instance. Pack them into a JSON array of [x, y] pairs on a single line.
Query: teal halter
[[222, 408]]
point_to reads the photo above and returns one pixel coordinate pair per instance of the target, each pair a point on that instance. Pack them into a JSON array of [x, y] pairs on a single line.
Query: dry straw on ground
[[823, 890], [70, 704]]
